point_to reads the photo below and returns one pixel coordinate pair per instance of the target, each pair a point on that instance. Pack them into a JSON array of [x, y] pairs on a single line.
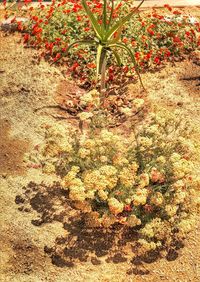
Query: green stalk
[[103, 71]]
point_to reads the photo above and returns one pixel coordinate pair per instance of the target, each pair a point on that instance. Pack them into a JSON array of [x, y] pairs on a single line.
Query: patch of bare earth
[[29, 248], [11, 151]]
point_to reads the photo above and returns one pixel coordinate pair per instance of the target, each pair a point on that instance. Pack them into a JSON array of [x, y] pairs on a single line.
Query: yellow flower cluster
[[153, 228], [157, 199], [144, 179], [148, 246], [181, 168], [56, 141], [186, 225], [115, 206], [85, 116], [127, 176], [90, 99], [133, 221], [140, 197]]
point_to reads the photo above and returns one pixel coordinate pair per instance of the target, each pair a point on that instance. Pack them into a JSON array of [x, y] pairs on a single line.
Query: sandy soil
[[24, 87]]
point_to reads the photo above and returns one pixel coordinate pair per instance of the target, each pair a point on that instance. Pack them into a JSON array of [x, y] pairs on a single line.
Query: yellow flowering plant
[[145, 180]]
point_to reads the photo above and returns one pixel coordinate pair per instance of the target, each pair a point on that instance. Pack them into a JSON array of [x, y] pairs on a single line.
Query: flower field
[[155, 38], [99, 150]]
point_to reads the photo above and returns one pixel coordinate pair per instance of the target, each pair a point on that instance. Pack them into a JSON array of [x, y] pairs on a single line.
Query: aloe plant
[[108, 38]]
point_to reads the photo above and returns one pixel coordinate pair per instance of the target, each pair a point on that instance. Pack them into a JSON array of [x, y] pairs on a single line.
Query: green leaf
[[118, 25], [93, 20], [117, 57], [105, 14], [118, 35], [124, 47], [111, 13]]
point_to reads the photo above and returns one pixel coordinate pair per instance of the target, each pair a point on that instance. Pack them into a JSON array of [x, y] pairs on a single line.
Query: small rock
[[95, 261], [180, 104], [19, 199], [4, 175]]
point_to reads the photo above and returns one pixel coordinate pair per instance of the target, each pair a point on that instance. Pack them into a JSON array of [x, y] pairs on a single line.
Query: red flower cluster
[[153, 39]]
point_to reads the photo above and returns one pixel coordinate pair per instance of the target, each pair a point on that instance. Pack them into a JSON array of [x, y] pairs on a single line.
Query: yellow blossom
[[179, 197], [127, 111], [127, 178], [89, 144], [171, 210], [86, 99], [140, 197], [179, 184], [138, 103], [85, 116], [144, 180], [175, 157], [118, 159], [115, 206], [145, 142], [49, 168], [133, 221], [83, 153], [103, 159], [186, 225], [103, 195], [157, 199], [77, 193], [161, 160]]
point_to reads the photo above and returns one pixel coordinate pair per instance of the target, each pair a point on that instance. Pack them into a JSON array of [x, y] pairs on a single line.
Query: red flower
[[137, 56], [148, 56], [79, 18], [91, 66], [150, 31], [177, 12], [74, 66], [57, 57], [27, 1], [167, 53], [127, 208], [157, 60], [26, 37], [125, 40], [168, 7], [176, 39]]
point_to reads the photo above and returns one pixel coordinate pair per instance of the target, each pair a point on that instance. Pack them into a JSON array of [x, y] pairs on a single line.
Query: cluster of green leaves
[[107, 38]]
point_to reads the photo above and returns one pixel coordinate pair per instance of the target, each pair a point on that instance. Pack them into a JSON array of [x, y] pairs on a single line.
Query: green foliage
[[107, 39]]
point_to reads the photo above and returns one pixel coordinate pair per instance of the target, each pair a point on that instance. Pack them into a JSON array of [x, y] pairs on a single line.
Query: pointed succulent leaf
[[93, 20], [124, 47], [105, 14], [118, 35], [118, 25], [117, 57], [111, 13]]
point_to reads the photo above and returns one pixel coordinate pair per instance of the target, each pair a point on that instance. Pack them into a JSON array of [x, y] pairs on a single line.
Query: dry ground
[[26, 86]]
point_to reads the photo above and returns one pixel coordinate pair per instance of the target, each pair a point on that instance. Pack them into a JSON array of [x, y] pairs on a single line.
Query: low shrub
[[144, 179]]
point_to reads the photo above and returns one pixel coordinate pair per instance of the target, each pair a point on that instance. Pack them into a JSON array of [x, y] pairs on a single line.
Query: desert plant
[[146, 180], [107, 39], [153, 38]]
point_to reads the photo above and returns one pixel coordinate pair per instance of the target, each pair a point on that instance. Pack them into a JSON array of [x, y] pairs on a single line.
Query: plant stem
[[103, 72]]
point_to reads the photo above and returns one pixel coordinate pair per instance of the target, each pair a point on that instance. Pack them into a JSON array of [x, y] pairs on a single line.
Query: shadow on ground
[[117, 244]]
